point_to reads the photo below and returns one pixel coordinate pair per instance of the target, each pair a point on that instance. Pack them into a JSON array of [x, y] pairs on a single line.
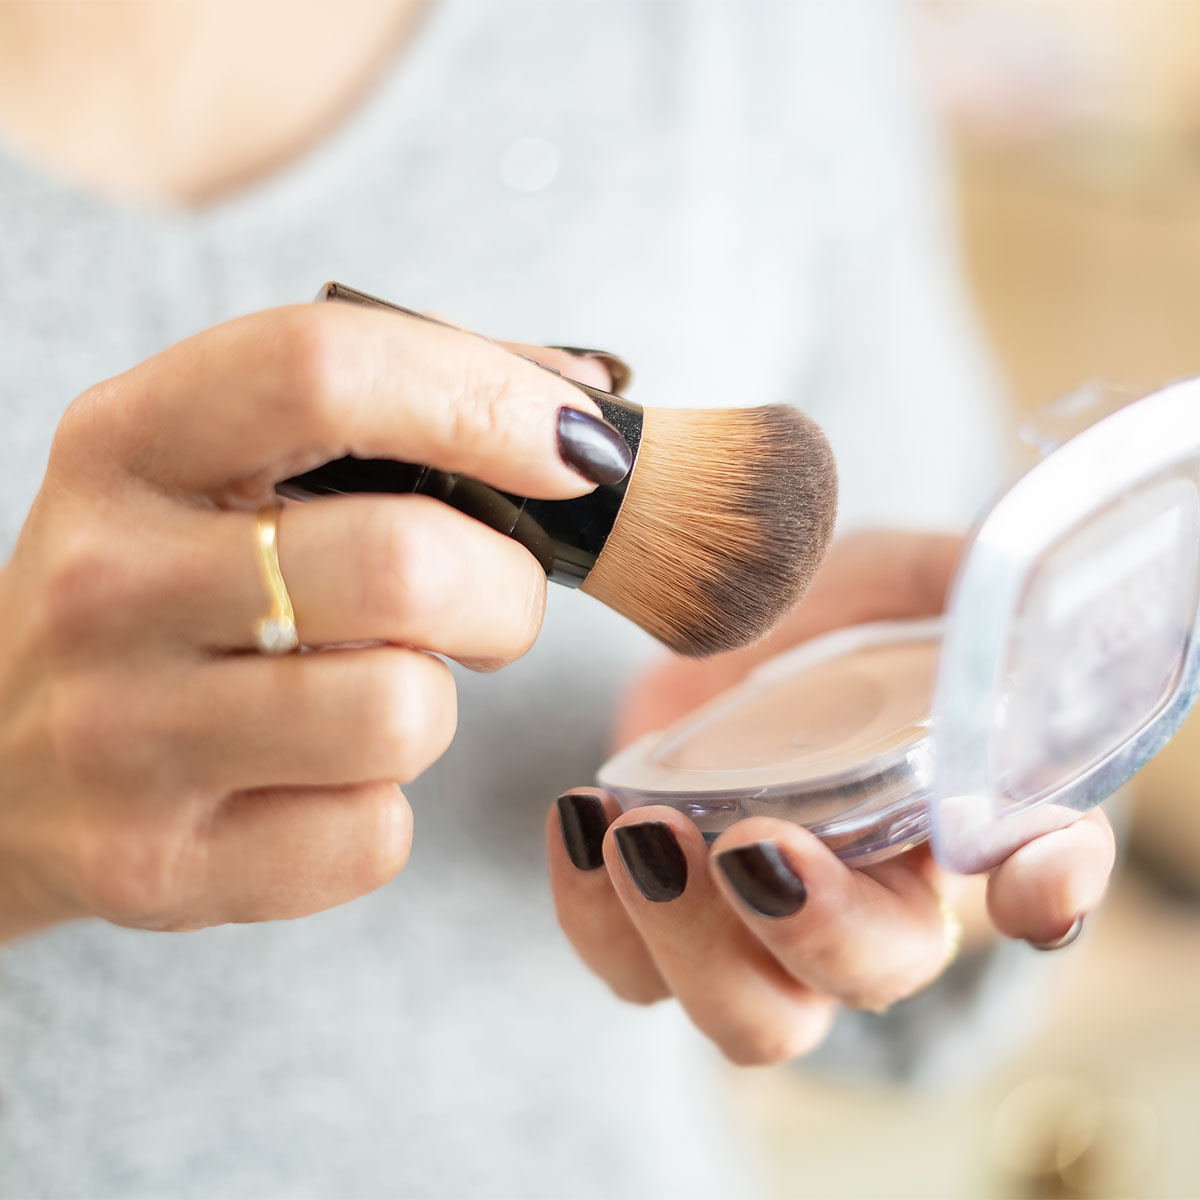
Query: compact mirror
[[1069, 654]]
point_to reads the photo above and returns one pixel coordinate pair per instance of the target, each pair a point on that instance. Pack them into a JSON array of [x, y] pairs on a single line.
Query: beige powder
[[824, 720]]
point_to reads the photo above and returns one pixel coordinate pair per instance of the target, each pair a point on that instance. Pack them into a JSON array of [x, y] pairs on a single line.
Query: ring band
[[1064, 941], [276, 632]]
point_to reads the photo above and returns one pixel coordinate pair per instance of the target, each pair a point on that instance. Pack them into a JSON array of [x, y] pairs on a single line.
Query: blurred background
[[1074, 127]]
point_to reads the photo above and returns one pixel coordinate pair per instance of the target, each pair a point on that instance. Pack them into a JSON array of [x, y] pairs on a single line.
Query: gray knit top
[[737, 198]]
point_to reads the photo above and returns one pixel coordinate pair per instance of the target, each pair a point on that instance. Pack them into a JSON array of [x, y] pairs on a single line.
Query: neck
[[175, 102]]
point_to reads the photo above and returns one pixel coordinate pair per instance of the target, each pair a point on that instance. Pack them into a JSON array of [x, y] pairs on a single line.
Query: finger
[[331, 717], [403, 569], [323, 718], [591, 915], [730, 985], [596, 368], [280, 392], [280, 854], [880, 575], [1038, 892], [594, 371], [868, 938]]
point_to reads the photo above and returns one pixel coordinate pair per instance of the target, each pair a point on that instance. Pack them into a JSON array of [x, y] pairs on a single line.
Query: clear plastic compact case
[[1065, 660], [834, 734]]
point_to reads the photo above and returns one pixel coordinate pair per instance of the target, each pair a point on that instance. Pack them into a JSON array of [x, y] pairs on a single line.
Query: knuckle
[[844, 978], [412, 579], [84, 418], [475, 416], [86, 737], [808, 1033], [137, 876], [77, 738], [315, 366], [754, 1046], [442, 721], [766, 1044], [893, 982], [397, 561], [391, 710], [492, 407], [532, 609], [807, 1038], [874, 997], [518, 627], [824, 956], [641, 989], [103, 740], [84, 585], [413, 716], [386, 840]]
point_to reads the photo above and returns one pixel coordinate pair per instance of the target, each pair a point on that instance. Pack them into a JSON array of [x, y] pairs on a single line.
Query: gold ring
[[276, 632]]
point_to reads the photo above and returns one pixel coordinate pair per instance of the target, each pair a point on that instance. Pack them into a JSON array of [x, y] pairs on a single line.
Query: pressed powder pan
[[833, 735]]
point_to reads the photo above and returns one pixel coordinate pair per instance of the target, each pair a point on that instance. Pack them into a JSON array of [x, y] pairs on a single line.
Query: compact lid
[[1070, 654]]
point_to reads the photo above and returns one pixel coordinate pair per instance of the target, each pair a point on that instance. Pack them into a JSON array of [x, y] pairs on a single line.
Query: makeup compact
[[1065, 660], [833, 734]]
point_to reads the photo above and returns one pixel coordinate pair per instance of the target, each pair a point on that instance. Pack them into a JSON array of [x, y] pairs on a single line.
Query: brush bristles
[[727, 517]]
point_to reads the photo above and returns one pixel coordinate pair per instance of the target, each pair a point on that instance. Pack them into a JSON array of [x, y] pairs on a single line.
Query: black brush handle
[[565, 536]]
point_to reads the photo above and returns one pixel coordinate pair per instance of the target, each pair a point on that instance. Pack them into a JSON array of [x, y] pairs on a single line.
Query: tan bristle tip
[[727, 518]]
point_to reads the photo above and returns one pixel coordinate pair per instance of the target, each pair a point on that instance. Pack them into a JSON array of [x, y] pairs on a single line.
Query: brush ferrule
[[565, 536]]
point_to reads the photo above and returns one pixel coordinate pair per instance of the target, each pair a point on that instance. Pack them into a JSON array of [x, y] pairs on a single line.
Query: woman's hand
[[152, 771], [764, 935]]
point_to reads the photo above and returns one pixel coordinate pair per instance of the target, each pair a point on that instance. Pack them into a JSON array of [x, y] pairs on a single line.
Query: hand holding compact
[[156, 772], [764, 934]]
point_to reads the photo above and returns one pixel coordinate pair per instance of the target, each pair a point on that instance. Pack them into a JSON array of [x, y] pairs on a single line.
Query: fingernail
[[584, 823], [764, 879], [620, 373], [592, 447], [653, 859]]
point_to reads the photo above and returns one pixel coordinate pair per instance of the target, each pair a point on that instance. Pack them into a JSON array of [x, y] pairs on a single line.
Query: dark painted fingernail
[[620, 373], [653, 859], [592, 447], [584, 823], [764, 879]]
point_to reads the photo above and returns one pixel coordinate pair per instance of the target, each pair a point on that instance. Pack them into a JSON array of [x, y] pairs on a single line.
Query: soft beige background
[[1076, 125]]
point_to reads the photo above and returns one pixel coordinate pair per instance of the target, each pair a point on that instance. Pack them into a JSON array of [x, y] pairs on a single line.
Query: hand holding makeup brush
[[156, 772], [713, 535], [764, 935]]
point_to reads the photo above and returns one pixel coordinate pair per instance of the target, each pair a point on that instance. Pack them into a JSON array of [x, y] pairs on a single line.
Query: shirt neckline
[[404, 85]]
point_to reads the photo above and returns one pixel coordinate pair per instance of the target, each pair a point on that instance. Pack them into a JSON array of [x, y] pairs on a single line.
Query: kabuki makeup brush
[[711, 537]]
